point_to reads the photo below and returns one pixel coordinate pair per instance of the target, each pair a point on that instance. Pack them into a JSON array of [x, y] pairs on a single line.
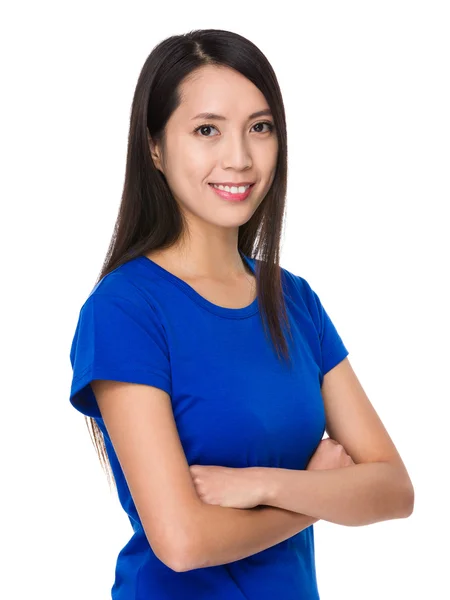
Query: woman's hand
[[244, 488], [329, 454], [228, 487]]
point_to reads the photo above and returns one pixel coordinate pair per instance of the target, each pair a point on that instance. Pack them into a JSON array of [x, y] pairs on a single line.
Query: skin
[[235, 149]]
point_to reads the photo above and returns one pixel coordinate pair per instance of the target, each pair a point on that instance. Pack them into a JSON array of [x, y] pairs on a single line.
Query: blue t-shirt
[[235, 405]]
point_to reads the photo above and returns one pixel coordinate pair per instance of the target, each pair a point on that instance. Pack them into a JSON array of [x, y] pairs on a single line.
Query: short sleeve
[[119, 339], [333, 350]]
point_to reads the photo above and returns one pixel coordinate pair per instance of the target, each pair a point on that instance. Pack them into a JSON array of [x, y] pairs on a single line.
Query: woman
[[210, 376]]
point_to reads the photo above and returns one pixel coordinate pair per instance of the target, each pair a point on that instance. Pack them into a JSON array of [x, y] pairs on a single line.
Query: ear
[[154, 153]]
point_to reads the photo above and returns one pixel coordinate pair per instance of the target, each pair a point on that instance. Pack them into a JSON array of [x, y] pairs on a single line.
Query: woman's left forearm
[[356, 495]]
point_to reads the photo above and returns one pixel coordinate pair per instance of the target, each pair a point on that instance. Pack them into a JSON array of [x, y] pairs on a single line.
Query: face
[[204, 150]]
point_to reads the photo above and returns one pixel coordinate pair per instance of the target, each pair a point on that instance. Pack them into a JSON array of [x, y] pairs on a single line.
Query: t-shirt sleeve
[[120, 339], [333, 350]]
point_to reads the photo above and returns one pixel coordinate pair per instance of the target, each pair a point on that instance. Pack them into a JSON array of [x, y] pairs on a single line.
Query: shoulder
[[298, 286], [120, 306], [305, 299], [123, 284]]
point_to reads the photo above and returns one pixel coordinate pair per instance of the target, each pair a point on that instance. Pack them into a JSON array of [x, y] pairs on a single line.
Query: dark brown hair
[[149, 217]]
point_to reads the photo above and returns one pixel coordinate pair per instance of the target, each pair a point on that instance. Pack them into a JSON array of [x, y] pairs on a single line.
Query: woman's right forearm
[[222, 535]]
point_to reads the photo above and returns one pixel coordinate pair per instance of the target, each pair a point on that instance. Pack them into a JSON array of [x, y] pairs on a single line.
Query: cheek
[[199, 165], [193, 163], [264, 155], [187, 168]]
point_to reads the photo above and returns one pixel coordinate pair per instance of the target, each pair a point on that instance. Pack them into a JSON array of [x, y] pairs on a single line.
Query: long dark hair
[[149, 217]]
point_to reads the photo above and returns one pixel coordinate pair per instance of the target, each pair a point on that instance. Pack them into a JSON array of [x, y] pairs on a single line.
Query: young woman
[[210, 376]]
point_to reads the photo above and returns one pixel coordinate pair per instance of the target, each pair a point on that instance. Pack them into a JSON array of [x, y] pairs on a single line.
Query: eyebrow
[[206, 115]]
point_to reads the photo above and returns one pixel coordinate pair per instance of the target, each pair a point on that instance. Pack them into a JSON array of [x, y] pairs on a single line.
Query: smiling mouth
[[246, 185], [233, 196], [230, 184]]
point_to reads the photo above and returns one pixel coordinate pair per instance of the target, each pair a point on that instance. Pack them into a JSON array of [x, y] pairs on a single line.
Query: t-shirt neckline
[[222, 311]]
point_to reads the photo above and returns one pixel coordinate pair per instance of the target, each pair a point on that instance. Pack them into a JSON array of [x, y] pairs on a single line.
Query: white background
[[366, 91]]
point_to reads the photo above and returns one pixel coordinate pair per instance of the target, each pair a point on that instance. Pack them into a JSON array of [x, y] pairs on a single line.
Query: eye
[[270, 125]]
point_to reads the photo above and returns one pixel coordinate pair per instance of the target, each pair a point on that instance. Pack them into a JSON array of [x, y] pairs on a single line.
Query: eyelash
[[269, 123]]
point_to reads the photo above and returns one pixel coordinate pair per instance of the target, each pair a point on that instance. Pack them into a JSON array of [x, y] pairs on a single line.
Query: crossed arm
[[356, 495], [374, 489], [222, 535]]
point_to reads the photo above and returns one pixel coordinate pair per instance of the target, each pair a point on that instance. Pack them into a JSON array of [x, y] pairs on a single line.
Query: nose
[[235, 153]]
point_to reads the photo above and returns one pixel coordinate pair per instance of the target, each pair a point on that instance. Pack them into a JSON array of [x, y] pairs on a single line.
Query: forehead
[[220, 90]]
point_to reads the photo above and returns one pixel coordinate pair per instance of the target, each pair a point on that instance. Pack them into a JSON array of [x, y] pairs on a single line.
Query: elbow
[[182, 559], [408, 497], [410, 502], [173, 556], [166, 556], [182, 554], [403, 491], [176, 564], [174, 559]]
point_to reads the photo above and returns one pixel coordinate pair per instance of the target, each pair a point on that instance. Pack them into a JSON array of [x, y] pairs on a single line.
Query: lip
[[232, 197], [230, 183]]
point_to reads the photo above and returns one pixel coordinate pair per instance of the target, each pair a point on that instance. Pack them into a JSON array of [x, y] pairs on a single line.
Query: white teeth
[[233, 190]]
